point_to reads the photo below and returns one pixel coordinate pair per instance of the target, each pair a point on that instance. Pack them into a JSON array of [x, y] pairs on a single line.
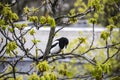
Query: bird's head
[[63, 42]]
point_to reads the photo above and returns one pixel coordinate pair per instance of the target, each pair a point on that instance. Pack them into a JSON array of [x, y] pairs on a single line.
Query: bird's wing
[[54, 44], [55, 48]]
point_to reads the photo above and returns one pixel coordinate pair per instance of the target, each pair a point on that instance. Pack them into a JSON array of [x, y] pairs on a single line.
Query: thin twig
[[112, 56], [93, 38], [77, 15], [59, 30], [76, 47], [107, 49], [70, 55]]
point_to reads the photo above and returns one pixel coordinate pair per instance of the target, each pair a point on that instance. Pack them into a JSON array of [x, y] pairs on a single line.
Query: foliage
[[104, 35], [32, 31], [43, 66], [33, 77], [11, 46]]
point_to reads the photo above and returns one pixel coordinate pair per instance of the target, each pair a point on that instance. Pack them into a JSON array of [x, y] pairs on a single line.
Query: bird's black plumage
[[53, 45], [63, 42], [58, 45]]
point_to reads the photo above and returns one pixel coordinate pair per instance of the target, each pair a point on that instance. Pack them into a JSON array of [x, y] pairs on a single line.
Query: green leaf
[[20, 77], [43, 20], [52, 76], [2, 22], [6, 10], [81, 10], [96, 15], [51, 21], [47, 77], [24, 25], [11, 46], [20, 26], [92, 20], [43, 66], [104, 35], [32, 32], [42, 78], [97, 71], [95, 4], [35, 41], [1, 5], [35, 10], [26, 10], [111, 26], [33, 76], [9, 69], [4, 27], [82, 39], [72, 12], [33, 18], [11, 30], [73, 20], [15, 16]]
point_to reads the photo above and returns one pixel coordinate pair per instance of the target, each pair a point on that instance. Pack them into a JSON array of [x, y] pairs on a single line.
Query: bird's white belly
[[55, 49]]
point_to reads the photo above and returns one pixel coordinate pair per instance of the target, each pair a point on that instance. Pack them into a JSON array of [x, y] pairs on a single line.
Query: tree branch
[[80, 15], [93, 37], [49, 43]]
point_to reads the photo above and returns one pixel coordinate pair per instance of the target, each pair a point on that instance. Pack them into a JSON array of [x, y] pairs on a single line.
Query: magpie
[[58, 45]]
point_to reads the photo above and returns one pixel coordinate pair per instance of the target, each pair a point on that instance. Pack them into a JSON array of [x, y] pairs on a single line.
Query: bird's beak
[[65, 46]]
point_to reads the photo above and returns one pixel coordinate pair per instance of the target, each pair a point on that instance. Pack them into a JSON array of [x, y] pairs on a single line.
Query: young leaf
[[26, 10], [33, 18], [11, 46], [35, 41], [42, 20], [43, 66], [4, 27], [92, 20], [2, 22], [11, 30], [32, 32], [111, 26], [33, 76], [51, 21], [104, 35]]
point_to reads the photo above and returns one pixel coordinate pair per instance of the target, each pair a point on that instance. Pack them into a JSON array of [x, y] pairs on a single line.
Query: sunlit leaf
[[32, 32]]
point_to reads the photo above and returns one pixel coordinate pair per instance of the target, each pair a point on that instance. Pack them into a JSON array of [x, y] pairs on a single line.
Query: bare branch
[[59, 30], [112, 56], [70, 55], [76, 47], [108, 46], [93, 36], [50, 39]]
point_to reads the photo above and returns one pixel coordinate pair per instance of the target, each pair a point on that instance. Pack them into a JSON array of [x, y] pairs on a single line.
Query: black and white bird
[[58, 45]]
